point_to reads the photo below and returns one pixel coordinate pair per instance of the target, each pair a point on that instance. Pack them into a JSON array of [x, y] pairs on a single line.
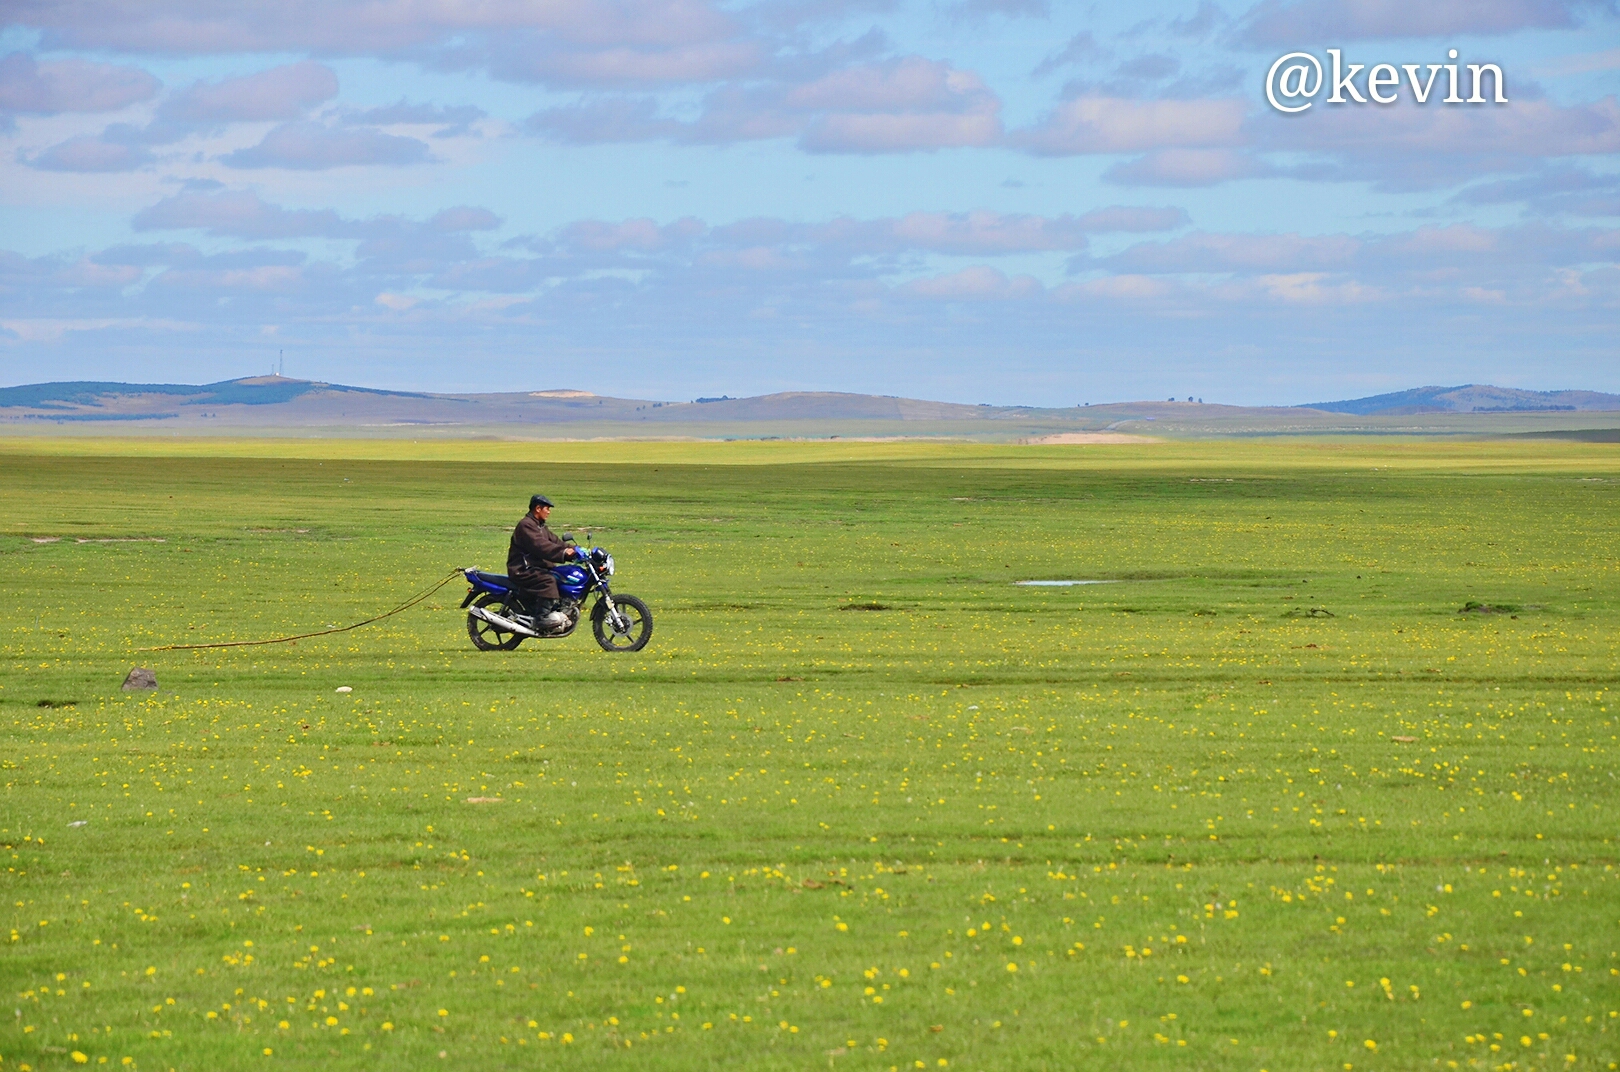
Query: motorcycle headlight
[[607, 566]]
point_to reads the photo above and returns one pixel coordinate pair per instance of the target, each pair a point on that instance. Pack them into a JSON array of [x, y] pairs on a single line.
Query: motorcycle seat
[[499, 579]]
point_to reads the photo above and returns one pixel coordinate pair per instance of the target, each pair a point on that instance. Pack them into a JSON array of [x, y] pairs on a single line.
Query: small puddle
[[1058, 584]]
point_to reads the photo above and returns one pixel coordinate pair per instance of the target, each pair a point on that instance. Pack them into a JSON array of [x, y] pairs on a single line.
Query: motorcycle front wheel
[[485, 635], [632, 631]]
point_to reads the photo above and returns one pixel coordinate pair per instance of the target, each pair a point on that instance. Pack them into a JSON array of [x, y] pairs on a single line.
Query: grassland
[[809, 417], [1267, 801]]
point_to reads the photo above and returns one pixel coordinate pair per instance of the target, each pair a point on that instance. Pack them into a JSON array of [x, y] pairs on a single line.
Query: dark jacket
[[534, 546]]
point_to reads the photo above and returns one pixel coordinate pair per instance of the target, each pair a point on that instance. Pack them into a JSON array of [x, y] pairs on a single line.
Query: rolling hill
[[276, 405], [1472, 398]]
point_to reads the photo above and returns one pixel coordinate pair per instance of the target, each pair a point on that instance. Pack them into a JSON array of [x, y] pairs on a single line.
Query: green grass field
[[1269, 800]]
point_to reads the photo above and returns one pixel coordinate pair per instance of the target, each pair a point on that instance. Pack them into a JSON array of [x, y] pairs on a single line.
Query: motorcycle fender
[[472, 593]]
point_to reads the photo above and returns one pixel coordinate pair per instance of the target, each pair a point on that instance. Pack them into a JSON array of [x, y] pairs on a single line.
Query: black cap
[[540, 500]]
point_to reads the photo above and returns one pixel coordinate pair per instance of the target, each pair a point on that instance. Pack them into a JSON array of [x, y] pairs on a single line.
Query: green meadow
[[1269, 798]]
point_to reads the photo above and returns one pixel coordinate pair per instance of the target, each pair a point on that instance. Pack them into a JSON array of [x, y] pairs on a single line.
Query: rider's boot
[[548, 616]]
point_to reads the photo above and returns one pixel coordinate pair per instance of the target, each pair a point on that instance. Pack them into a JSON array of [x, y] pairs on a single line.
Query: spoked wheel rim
[[626, 629], [485, 635]]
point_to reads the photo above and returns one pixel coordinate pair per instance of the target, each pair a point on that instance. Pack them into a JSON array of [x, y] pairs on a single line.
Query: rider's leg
[[536, 591], [547, 597]]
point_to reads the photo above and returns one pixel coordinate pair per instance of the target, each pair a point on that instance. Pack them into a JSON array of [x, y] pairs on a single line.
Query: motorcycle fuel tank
[[571, 580]]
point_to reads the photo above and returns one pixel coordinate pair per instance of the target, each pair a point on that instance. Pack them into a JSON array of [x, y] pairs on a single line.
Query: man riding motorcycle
[[533, 551]]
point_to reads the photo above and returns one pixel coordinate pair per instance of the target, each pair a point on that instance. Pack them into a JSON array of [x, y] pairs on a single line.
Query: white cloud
[[382, 27], [86, 153], [1578, 63], [240, 214], [314, 147], [639, 235], [869, 133], [1412, 148], [1127, 125], [1135, 288], [974, 284], [70, 85], [265, 278], [909, 84], [1012, 9], [1188, 167], [52, 329], [1203, 252], [1133, 218], [285, 92], [698, 62], [1315, 288], [1525, 128], [905, 104], [1300, 23]]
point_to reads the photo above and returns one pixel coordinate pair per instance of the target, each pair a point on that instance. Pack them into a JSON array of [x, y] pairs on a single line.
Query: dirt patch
[[1087, 439]]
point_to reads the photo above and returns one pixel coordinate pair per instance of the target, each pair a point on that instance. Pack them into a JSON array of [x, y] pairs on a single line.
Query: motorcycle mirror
[[588, 537], [568, 535]]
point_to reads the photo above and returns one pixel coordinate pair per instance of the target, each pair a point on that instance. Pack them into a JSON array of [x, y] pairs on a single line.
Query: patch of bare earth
[[1088, 439]]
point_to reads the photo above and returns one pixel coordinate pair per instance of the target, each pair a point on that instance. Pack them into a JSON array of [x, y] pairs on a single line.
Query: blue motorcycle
[[497, 620]]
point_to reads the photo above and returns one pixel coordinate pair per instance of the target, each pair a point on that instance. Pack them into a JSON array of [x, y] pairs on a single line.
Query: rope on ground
[[407, 605]]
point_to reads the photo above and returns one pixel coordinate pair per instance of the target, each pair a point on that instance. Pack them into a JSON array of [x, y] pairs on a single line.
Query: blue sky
[[1008, 201]]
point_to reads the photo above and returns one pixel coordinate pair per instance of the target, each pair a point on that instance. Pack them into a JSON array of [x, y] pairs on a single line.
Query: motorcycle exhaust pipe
[[504, 624]]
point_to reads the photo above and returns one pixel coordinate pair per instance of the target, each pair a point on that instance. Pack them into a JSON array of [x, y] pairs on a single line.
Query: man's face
[[542, 512]]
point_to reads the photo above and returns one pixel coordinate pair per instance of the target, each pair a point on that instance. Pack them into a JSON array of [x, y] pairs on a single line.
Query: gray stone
[[140, 678]]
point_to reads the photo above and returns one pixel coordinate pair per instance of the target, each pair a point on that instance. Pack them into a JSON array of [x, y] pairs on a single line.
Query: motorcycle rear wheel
[[485, 635], [637, 621]]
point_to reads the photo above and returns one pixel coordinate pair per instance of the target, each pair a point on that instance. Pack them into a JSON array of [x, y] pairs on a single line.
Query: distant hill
[[252, 391], [257, 400], [278, 400], [277, 405], [1471, 398]]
